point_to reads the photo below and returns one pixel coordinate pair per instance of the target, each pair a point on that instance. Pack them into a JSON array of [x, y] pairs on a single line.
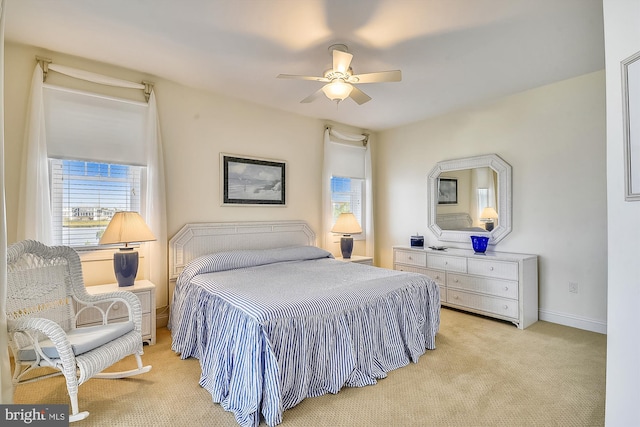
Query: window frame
[[363, 219], [58, 204]]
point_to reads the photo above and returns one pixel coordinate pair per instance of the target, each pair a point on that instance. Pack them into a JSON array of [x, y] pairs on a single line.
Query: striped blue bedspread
[[273, 327]]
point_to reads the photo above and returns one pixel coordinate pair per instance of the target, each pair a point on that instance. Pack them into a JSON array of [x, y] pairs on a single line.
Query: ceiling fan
[[340, 79]]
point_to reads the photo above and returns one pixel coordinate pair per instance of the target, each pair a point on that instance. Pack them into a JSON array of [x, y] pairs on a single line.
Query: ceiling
[[452, 53]]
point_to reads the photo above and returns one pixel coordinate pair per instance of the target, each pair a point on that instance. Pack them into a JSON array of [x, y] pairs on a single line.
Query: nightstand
[[144, 290], [367, 260]]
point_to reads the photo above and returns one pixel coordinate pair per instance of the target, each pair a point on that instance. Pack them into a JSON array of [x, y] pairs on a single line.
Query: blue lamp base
[[125, 265], [346, 246]]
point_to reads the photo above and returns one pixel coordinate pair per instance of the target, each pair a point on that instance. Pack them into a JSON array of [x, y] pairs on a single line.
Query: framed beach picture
[[631, 120], [252, 181], [447, 191]]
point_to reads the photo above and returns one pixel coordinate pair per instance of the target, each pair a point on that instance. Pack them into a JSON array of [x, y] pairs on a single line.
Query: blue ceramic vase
[[479, 244]]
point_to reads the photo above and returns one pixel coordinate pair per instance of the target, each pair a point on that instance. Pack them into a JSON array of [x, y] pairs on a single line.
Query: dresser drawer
[[411, 258], [497, 287], [145, 301], [449, 263], [491, 268], [146, 325], [498, 306], [437, 276]]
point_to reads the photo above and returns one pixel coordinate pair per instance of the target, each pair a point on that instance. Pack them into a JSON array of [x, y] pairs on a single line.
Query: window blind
[[346, 160], [86, 195], [86, 126]]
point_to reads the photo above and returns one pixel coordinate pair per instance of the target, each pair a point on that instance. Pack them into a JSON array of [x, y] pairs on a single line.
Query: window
[[85, 196], [97, 157], [347, 196], [483, 199]]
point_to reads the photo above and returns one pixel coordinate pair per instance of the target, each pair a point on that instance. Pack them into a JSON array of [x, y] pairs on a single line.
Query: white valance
[[348, 136], [346, 155], [88, 126]]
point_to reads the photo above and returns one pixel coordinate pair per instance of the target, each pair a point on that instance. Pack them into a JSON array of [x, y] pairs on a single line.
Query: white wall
[[622, 39], [196, 127], [554, 139], [552, 136]]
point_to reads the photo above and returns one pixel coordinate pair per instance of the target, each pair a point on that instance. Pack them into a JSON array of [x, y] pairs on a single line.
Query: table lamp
[[347, 224], [488, 216], [126, 227]]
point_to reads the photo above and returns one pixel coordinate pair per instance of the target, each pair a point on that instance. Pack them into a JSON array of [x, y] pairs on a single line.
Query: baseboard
[[162, 318], [573, 321]]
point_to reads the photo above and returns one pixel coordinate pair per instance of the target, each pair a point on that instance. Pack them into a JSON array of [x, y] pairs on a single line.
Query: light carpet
[[483, 373]]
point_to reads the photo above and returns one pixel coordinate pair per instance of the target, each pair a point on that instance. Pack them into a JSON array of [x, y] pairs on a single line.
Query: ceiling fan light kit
[[340, 79], [337, 90]]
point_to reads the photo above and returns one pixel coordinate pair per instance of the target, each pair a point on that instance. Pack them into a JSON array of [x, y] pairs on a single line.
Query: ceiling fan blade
[[315, 95], [341, 60], [379, 77], [293, 76], [359, 96]]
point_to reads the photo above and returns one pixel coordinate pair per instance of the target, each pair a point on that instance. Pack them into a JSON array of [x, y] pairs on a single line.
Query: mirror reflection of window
[[482, 195], [484, 182]]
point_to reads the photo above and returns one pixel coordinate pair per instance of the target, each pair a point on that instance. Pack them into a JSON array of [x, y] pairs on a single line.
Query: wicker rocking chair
[[44, 290]]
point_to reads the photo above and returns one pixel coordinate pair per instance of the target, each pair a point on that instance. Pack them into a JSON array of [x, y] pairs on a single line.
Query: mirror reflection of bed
[[460, 221]]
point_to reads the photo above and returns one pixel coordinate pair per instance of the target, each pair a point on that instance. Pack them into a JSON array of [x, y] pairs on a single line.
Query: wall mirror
[[479, 182]]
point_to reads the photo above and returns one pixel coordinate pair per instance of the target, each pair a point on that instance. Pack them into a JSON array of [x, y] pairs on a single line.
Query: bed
[[460, 221], [273, 319]]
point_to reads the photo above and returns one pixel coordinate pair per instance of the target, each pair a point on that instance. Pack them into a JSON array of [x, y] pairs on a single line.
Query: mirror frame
[[503, 170]]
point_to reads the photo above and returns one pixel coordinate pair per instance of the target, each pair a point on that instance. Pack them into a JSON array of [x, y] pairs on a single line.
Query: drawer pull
[[446, 263], [505, 306], [506, 288], [410, 257], [455, 280], [490, 268]]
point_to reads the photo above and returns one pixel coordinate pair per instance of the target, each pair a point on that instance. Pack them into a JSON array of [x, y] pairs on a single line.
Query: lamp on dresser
[[126, 227], [488, 216], [346, 224]]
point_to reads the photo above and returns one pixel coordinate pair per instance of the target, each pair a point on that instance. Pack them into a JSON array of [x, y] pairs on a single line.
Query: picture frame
[[631, 125], [447, 191], [252, 181]]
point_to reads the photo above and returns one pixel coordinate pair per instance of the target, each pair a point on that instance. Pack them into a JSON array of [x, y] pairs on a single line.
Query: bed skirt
[[259, 369]]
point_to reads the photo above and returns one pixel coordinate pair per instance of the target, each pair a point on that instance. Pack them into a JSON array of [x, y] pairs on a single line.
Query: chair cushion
[[81, 339]]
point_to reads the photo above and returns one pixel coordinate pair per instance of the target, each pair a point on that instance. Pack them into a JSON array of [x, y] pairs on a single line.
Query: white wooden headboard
[[197, 239]]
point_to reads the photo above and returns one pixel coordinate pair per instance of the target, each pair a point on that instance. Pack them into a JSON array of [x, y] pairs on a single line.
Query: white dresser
[[497, 284]]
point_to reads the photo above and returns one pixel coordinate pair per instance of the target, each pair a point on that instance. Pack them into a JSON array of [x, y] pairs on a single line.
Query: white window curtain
[[345, 155], [34, 206], [6, 386], [34, 210], [156, 206]]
